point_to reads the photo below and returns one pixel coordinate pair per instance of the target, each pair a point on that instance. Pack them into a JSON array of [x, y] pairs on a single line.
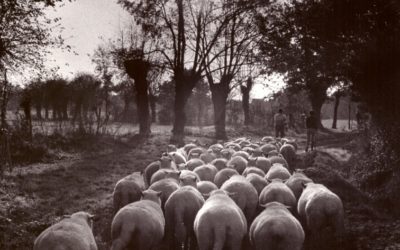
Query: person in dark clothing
[[312, 127], [280, 124]]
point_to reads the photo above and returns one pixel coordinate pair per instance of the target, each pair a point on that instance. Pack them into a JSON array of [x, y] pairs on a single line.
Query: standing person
[[279, 124], [312, 126]]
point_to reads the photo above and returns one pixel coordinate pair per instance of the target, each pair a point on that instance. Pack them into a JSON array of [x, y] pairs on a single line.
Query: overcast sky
[[87, 24]]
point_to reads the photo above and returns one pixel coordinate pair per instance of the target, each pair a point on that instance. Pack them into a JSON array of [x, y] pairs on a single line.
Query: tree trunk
[[4, 101], [26, 103], [337, 102], [152, 100], [138, 70], [184, 85], [219, 102], [219, 96], [246, 100], [316, 104]]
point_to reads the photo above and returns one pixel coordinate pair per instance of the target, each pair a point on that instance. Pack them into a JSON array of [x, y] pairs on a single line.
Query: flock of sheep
[[236, 195]]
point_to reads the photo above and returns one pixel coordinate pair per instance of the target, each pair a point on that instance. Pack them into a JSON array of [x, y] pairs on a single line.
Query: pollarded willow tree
[[188, 31], [235, 49], [134, 53]]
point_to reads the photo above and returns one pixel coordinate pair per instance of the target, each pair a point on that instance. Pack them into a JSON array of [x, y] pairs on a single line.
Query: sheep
[[188, 178], [73, 232], [277, 171], [266, 148], [223, 175], [219, 163], [195, 152], [220, 223], [260, 162], [206, 172], [243, 154], [227, 153], [253, 170], [239, 163], [139, 225], [127, 190], [257, 181], [278, 159], [216, 148], [188, 147], [276, 190], [164, 173], [273, 153], [289, 154], [257, 152], [208, 156], [232, 145], [249, 150], [193, 163], [246, 196], [267, 139], [178, 157], [150, 170], [206, 187], [276, 228], [293, 143], [180, 211], [166, 187], [296, 181], [165, 162], [318, 208]]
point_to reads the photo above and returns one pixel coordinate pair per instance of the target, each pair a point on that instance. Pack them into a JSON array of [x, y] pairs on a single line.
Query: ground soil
[[34, 197]]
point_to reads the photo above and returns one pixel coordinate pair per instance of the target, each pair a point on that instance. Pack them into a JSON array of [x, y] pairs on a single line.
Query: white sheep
[[206, 172], [257, 181], [73, 232], [180, 211], [223, 175], [220, 223], [237, 162], [276, 228], [246, 196], [139, 225], [278, 191], [277, 171], [318, 208], [127, 190], [296, 183]]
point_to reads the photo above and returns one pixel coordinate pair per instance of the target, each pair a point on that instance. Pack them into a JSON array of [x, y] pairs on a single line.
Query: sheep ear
[[66, 216], [303, 184], [92, 217], [206, 195], [232, 195], [263, 205], [182, 166]]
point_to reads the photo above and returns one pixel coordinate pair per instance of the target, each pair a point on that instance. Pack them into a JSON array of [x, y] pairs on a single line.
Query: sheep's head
[[152, 195]]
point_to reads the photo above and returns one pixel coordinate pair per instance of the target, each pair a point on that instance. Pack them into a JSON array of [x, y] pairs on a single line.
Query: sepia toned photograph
[[199, 124]]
